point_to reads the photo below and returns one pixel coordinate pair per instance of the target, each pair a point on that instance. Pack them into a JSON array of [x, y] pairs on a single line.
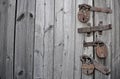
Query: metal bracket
[[84, 12], [86, 44], [98, 28]]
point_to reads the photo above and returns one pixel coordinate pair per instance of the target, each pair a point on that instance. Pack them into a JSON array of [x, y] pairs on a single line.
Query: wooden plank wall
[[39, 39], [116, 40]]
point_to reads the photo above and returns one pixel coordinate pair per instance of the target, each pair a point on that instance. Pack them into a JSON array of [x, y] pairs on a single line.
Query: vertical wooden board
[[7, 11], [3, 31], [48, 39], [79, 40], [58, 38], [39, 40], [115, 40], [115, 17], [64, 39], [43, 54], [3, 19], [30, 38], [105, 37], [10, 38], [24, 40], [69, 37]]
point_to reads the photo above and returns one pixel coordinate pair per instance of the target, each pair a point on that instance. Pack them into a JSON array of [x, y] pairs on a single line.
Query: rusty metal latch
[[100, 48], [95, 43], [98, 28], [84, 12], [89, 64]]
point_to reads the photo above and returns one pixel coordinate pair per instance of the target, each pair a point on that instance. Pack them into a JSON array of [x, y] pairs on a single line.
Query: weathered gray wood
[[7, 15], [24, 39], [43, 55], [59, 39], [69, 37], [64, 39], [80, 38], [3, 26], [10, 38], [58, 45], [115, 40], [39, 40], [105, 37], [48, 39]]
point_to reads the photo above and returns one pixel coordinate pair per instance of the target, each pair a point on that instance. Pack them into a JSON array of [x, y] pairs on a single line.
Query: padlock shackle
[[84, 58]]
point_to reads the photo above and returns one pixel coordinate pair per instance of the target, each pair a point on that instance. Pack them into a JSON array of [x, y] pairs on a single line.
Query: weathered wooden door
[[58, 46], [39, 39]]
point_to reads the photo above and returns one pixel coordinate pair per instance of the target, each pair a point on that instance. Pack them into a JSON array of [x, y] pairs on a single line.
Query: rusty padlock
[[84, 12], [101, 50], [87, 65]]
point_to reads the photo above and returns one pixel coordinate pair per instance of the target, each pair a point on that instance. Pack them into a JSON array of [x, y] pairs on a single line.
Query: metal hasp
[[98, 28], [95, 43], [103, 69], [84, 12], [100, 48]]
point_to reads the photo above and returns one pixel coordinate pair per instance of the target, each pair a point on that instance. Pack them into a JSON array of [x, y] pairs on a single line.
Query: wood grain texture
[[7, 15], [64, 39], [115, 39], [43, 53], [58, 45], [48, 39], [59, 39], [3, 40], [10, 39], [80, 38], [69, 37], [39, 40], [24, 39], [105, 37]]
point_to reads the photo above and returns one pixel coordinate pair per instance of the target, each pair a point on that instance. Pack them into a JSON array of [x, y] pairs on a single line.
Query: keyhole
[[83, 19]]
